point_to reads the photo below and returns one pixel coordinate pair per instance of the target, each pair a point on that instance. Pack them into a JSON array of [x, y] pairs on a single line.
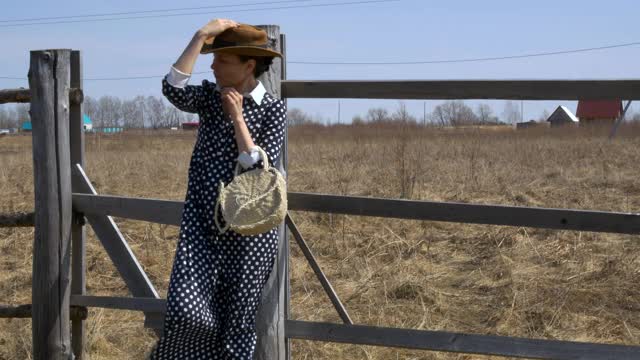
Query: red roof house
[[598, 111]]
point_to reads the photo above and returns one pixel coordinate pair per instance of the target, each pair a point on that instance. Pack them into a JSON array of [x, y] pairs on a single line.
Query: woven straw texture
[[254, 202]]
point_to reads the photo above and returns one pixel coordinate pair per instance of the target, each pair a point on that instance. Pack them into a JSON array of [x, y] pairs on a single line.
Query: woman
[[217, 279]]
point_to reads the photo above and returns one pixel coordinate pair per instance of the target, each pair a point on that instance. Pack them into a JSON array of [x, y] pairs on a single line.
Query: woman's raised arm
[[212, 29]]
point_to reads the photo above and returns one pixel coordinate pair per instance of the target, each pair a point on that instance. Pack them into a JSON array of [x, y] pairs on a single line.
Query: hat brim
[[242, 50]]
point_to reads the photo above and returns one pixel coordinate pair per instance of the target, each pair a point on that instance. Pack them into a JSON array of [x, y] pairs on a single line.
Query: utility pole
[[424, 116], [339, 121]]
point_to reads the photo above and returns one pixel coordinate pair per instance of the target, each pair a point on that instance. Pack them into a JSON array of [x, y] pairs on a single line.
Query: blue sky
[[406, 30]]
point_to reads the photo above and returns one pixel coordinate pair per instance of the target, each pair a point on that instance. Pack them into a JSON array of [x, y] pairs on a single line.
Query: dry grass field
[[481, 279]]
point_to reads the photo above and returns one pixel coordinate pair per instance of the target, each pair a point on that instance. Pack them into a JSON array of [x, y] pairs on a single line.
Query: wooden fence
[[65, 200]]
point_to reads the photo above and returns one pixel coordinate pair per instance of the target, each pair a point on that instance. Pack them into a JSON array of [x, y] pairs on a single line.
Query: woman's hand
[[232, 103], [215, 27]]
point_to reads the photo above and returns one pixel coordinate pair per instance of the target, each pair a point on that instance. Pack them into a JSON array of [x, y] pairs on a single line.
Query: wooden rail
[[25, 311], [463, 89], [15, 96], [168, 212], [457, 342], [76, 96], [18, 219]]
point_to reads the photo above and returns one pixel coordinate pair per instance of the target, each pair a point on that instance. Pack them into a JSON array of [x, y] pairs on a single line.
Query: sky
[[386, 31]]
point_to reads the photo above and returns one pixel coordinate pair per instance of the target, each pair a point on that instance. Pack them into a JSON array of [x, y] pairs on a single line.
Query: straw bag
[[254, 202]]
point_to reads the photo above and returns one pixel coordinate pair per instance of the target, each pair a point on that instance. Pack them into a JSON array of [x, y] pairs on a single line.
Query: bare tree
[[454, 113], [484, 114], [172, 117], [90, 107], [154, 112], [296, 116], [109, 111], [132, 114], [511, 114], [377, 115], [8, 118], [22, 113], [357, 120], [402, 115]]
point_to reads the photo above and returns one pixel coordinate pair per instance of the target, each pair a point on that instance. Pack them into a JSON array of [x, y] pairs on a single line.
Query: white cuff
[[247, 160], [177, 78]]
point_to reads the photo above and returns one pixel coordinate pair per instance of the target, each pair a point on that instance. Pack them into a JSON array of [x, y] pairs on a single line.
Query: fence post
[[271, 317], [285, 161], [78, 233], [49, 85]]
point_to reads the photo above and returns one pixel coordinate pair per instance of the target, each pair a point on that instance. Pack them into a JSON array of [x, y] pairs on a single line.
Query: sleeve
[[271, 137], [178, 78], [187, 98], [248, 159]]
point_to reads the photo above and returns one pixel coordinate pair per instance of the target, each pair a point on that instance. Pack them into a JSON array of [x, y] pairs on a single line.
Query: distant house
[[599, 112], [526, 124], [108, 130], [190, 125], [562, 116], [87, 125]]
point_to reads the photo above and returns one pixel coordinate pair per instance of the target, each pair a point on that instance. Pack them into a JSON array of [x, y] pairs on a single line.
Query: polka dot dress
[[217, 279]]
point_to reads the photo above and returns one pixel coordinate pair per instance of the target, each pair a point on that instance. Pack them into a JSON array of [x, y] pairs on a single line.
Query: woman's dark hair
[[262, 63]]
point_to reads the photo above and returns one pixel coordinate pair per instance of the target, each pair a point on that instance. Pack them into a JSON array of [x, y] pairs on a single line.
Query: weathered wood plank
[[155, 321], [620, 119], [154, 210], [463, 89], [24, 311], [21, 95], [121, 303], [456, 342], [51, 284], [326, 285], [270, 318], [18, 219], [559, 219], [17, 311], [116, 246], [285, 161], [78, 231]]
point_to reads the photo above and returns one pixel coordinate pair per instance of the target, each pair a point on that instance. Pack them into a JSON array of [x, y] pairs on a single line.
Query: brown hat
[[242, 40]]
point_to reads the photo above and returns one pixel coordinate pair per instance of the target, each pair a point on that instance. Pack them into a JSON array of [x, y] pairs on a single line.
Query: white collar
[[257, 94]]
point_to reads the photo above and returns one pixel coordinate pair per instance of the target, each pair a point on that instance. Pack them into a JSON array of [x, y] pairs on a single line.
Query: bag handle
[[263, 155], [222, 230]]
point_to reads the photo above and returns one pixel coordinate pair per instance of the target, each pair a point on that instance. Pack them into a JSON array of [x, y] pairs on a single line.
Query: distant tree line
[[139, 112], [111, 111], [448, 113], [155, 113]]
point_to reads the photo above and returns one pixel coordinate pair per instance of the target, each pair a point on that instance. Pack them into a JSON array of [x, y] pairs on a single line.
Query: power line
[[389, 63], [203, 13], [470, 59], [152, 11]]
